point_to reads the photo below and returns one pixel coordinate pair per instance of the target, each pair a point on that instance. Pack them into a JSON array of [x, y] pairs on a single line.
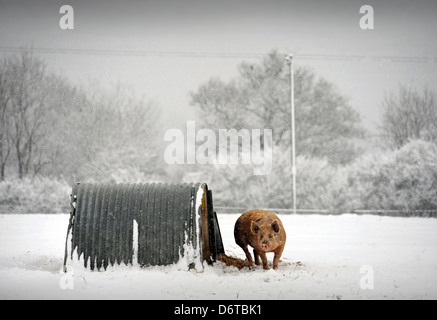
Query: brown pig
[[263, 231]]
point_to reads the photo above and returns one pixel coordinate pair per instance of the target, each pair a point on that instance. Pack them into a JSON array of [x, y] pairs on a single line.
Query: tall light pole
[[289, 59]]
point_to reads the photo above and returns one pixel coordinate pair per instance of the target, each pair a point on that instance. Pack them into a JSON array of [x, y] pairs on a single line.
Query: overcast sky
[[243, 29]]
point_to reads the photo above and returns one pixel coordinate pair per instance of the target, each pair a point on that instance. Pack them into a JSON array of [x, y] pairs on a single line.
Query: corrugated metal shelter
[[169, 219]]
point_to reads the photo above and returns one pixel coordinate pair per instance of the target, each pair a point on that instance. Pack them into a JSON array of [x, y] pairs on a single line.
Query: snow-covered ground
[[326, 257]]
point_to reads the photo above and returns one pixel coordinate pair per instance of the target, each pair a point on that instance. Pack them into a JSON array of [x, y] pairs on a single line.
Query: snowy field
[[326, 257]]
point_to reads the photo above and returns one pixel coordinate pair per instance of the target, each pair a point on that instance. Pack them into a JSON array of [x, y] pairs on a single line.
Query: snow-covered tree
[[403, 179], [326, 125], [409, 115]]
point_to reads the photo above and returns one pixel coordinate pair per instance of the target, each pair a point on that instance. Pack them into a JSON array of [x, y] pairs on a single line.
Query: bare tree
[[26, 95], [409, 115], [5, 143], [122, 132], [48, 126]]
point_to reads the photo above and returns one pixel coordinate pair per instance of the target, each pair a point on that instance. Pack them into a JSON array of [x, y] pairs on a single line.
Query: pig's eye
[[256, 228], [270, 236]]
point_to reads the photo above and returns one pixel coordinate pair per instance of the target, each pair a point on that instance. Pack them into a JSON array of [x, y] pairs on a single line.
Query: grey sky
[[402, 28]]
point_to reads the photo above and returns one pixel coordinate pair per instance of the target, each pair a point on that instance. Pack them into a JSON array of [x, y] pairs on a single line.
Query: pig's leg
[[248, 255], [256, 255], [278, 254], [264, 260]]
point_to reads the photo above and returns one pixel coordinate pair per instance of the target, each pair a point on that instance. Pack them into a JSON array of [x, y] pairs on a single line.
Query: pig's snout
[[264, 246]]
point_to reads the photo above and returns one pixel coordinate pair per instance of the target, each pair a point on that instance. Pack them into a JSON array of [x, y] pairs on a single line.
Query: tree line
[[333, 171], [51, 127], [54, 133]]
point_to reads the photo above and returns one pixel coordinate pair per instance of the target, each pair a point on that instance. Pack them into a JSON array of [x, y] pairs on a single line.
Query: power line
[[224, 55], [182, 54]]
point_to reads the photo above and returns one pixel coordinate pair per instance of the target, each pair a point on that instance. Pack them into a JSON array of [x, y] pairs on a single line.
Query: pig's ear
[[275, 226], [253, 227]]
